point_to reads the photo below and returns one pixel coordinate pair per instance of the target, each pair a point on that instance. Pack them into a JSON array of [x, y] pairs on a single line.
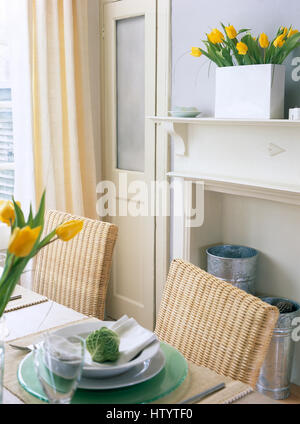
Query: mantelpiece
[[253, 158], [177, 127]]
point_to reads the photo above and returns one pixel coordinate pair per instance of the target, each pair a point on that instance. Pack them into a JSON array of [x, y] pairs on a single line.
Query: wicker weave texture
[[214, 324], [76, 273]]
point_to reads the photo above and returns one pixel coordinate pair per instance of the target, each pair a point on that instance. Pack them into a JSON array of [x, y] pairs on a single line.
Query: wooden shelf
[[177, 127]]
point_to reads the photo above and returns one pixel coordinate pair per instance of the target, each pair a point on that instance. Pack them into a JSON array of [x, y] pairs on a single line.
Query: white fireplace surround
[[253, 158], [251, 176]]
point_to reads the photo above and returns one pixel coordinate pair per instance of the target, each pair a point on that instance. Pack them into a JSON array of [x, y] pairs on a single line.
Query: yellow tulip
[[292, 32], [196, 52], [278, 42], [69, 229], [285, 30], [7, 212], [263, 40], [242, 48], [215, 36], [22, 241], [231, 32]]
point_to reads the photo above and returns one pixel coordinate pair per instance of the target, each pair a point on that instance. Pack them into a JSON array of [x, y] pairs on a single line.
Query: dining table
[[36, 318]]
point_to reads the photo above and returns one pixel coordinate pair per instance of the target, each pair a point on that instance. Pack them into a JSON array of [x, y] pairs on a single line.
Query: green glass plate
[[170, 377]]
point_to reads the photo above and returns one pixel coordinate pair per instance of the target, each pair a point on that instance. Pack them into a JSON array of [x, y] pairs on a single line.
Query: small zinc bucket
[[234, 264], [275, 373]]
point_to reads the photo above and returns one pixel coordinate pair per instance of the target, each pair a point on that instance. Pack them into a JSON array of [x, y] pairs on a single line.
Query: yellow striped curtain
[[62, 116]]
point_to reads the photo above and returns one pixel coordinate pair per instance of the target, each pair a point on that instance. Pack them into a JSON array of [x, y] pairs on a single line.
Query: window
[[6, 124]]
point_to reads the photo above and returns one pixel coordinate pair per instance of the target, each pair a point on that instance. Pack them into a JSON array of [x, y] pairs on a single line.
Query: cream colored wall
[[273, 228]]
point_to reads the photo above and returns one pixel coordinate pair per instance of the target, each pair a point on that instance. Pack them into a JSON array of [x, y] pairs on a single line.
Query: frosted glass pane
[[131, 93]]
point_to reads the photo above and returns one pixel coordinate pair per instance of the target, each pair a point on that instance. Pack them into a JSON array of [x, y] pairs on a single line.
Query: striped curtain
[[62, 117]]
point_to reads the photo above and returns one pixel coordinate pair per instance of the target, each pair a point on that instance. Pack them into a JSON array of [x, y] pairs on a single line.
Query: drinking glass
[[58, 363], [3, 335], [2, 261]]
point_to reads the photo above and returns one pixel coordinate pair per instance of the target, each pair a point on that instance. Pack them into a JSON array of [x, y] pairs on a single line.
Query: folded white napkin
[[133, 339], [61, 348]]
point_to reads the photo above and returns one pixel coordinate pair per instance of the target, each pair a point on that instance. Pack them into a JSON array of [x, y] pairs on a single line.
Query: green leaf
[[20, 220], [39, 218], [231, 43], [247, 60], [271, 53], [243, 30], [227, 57], [46, 240], [9, 283], [291, 43], [7, 267], [30, 217], [210, 54], [254, 52]]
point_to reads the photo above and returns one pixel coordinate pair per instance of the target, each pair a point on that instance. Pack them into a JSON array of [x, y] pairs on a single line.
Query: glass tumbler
[[58, 363], [3, 335], [2, 261]]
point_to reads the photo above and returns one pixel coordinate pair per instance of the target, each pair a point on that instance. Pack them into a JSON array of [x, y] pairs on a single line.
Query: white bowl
[[106, 369]]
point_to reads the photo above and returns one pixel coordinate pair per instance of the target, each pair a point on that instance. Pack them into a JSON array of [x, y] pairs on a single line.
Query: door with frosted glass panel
[[129, 146]]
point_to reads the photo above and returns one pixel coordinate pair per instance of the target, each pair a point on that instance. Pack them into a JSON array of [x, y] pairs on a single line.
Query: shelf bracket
[[179, 134]]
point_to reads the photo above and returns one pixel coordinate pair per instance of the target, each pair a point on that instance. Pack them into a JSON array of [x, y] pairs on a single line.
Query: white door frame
[[162, 236], [162, 146]]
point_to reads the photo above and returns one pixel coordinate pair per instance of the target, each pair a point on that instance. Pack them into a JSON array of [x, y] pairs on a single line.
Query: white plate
[[106, 369], [138, 374], [185, 113]]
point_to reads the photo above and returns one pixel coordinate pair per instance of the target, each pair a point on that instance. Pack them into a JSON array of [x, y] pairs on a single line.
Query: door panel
[[131, 93], [129, 145]]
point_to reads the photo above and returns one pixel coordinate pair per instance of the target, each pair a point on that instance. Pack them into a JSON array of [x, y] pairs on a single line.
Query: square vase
[[250, 92]]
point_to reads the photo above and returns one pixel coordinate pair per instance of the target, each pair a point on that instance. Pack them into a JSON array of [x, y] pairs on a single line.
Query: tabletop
[[50, 314]]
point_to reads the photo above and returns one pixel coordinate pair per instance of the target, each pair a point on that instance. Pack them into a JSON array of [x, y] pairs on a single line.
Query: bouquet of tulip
[[25, 242], [226, 49]]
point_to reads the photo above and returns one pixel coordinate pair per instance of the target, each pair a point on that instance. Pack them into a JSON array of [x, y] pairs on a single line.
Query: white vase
[[250, 92]]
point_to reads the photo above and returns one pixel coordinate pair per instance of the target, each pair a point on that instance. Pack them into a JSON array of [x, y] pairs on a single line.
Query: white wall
[[272, 228], [194, 78]]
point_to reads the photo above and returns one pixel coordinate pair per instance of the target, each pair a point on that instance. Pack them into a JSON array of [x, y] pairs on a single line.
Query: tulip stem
[[11, 264], [52, 241]]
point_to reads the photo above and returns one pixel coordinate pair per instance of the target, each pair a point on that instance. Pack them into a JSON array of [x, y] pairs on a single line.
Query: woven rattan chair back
[[214, 324], [76, 273]]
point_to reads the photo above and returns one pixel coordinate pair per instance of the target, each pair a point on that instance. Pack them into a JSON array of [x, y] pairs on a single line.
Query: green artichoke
[[103, 345]]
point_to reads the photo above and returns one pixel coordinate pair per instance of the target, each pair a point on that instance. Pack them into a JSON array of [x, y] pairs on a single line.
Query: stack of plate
[[155, 372], [109, 376]]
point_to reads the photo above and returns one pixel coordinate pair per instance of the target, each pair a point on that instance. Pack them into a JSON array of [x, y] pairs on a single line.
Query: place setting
[[101, 362]]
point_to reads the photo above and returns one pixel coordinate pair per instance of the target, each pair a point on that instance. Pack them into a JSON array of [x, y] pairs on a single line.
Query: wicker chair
[[76, 273], [214, 324]]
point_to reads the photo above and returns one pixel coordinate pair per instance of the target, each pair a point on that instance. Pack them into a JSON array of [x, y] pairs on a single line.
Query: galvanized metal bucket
[[275, 373], [234, 264]]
